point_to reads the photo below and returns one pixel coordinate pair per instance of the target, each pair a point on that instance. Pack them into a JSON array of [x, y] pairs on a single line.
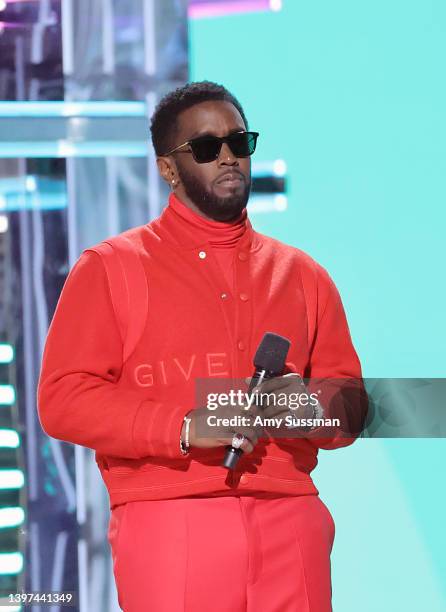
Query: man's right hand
[[203, 435]]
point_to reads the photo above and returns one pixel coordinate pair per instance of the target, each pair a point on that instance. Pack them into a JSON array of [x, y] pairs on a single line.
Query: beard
[[213, 206]]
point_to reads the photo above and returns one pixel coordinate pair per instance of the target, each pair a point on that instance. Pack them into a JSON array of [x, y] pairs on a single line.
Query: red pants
[[225, 554]]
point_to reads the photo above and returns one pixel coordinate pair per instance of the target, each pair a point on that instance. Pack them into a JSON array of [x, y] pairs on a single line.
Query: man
[[187, 534]]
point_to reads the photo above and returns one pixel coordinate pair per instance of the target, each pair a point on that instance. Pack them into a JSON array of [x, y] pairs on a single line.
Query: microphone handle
[[232, 454], [257, 378]]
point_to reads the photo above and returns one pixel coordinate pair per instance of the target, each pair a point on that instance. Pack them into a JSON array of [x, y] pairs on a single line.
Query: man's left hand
[[281, 397]]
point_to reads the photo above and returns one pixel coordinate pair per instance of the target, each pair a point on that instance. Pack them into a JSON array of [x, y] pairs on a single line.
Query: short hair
[[164, 119]]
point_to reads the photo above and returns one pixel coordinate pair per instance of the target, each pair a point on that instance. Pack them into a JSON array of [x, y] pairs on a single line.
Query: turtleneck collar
[[219, 234], [178, 229]]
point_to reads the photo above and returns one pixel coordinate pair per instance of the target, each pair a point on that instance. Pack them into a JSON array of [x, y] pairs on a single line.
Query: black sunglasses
[[207, 148]]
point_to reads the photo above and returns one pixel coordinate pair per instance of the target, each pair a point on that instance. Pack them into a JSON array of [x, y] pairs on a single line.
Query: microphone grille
[[271, 353]]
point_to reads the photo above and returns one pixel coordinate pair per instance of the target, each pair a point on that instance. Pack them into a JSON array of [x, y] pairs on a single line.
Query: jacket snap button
[[202, 254], [224, 296], [242, 256], [241, 345], [244, 297], [244, 479]]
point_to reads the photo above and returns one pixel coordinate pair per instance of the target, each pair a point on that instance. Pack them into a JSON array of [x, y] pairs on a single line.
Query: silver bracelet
[[184, 445]]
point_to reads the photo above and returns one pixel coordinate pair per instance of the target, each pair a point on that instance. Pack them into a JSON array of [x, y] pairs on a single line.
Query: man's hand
[[204, 435], [281, 397]]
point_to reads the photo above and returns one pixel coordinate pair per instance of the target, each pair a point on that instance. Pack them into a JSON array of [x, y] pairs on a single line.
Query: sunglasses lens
[[244, 144], [205, 149]]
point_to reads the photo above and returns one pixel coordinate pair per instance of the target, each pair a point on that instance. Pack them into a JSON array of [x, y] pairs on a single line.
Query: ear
[[166, 168]]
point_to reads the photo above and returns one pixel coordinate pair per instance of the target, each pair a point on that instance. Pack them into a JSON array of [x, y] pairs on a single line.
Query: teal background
[[352, 96]]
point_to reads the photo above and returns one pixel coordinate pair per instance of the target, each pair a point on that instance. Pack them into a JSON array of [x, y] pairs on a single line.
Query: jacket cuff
[[157, 429]]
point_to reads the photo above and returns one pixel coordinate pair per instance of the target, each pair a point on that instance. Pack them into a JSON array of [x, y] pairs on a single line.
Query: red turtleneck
[[223, 237]]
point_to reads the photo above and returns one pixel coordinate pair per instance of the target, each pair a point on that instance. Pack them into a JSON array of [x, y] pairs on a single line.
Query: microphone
[[269, 361]]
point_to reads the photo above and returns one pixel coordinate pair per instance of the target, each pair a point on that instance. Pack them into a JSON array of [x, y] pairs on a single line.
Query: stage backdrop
[[351, 97]]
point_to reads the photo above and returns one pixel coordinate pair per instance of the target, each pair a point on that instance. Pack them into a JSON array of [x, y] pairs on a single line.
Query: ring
[[237, 440]]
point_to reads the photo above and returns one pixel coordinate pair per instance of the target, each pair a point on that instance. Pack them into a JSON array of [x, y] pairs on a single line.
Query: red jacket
[[131, 414]]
